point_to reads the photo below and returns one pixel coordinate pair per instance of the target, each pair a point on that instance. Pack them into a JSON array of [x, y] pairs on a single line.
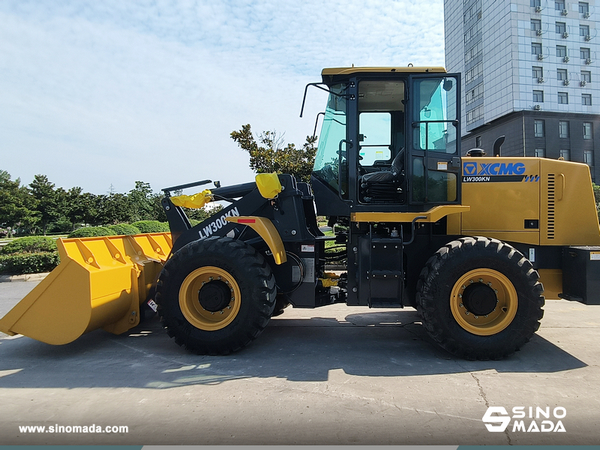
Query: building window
[[473, 51], [474, 72], [537, 72], [536, 25], [588, 157], [535, 3], [538, 96], [559, 5], [584, 53], [561, 74], [561, 51], [584, 30], [471, 32], [563, 99], [586, 99], [475, 93], [474, 115], [584, 8], [538, 127], [536, 48], [565, 154], [587, 130], [586, 76], [540, 152], [560, 27], [563, 129]]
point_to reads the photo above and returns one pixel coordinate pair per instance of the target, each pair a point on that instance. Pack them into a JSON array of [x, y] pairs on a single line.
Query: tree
[[270, 155], [141, 201], [114, 208], [15, 204], [47, 201], [80, 207], [4, 176]]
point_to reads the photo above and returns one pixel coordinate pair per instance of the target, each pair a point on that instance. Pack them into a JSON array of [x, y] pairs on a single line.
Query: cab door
[[434, 167]]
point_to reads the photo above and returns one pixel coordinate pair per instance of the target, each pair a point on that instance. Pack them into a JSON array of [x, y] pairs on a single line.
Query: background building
[[530, 72]]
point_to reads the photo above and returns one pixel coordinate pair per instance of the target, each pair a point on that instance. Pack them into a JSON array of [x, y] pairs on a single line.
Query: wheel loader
[[472, 242]]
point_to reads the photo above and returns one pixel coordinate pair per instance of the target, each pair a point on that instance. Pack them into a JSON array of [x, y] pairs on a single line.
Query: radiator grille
[[551, 204]]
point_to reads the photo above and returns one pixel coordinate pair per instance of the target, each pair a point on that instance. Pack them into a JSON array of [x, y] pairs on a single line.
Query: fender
[[266, 230]]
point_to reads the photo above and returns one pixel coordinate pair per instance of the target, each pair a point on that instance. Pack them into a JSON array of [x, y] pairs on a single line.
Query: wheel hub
[[479, 299], [483, 302], [214, 296], [209, 298]]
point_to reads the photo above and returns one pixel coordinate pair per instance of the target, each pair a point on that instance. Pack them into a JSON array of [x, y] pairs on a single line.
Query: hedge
[[124, 228], [22, 263], [91, 232], [151, 226], [31, 244]]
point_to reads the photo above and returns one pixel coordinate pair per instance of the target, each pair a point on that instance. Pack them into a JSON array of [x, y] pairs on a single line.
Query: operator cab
[[388, 140]]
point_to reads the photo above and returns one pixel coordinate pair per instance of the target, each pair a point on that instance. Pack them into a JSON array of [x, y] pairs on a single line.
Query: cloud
[[96, 94]]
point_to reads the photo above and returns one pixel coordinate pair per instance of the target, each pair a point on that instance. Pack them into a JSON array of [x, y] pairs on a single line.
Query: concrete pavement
[[334, 375]]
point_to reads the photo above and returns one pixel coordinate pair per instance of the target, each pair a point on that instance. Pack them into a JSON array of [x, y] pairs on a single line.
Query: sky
[[101, 94]]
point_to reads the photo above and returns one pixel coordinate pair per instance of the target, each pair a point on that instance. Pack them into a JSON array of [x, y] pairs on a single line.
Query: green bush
[[151, 226], [30, 244], [91, 232], [124, 228], [23, 263]]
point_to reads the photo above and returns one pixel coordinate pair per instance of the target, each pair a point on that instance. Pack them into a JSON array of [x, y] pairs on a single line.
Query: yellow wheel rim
[[484, 302], [209, 298]]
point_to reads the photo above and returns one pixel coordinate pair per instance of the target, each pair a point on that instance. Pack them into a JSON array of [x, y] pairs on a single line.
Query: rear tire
[[215, 296], [282, 302], [480, 298]]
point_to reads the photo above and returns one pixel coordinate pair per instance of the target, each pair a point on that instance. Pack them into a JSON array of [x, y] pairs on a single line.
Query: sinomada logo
[[525, 419]]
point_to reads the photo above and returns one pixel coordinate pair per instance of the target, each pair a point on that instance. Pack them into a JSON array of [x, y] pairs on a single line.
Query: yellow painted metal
[[268, 185], [551, 279], [192, 309], [499, 208], [195, 201], [99, 283], [330, 279], [351, 70], [266, 230], [433, 215], [454, 224], [556, 194], [500, 317], [568, 214]]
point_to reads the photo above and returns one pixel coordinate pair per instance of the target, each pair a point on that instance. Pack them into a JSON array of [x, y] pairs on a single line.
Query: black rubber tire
[[282, 302], [441, 275], [245, 267]]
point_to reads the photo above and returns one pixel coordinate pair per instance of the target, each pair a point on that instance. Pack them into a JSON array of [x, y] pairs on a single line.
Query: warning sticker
[[594, 256]]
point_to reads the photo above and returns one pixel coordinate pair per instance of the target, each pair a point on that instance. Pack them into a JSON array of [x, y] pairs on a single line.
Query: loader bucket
[[99, 283]]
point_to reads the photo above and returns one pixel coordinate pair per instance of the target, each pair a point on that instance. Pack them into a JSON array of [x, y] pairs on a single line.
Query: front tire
[[480, 298], [215, 296]]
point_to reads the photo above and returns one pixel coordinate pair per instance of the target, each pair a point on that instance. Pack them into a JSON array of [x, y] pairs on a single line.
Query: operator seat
[[384, 185], [387, 176]]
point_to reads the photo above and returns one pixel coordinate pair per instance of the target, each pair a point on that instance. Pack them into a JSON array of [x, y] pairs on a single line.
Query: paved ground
[[335, 375]]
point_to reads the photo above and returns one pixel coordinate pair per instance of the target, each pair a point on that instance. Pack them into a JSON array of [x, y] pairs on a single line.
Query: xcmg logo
[[528, 420], [490, 169]]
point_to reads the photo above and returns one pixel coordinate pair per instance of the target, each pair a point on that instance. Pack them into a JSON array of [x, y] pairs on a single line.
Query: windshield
[[333, 132]]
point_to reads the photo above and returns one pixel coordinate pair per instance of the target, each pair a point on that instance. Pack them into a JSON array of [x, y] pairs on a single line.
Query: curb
[[27, 277]]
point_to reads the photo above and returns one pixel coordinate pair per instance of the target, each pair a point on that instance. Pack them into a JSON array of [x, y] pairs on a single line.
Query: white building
[[530, 71]]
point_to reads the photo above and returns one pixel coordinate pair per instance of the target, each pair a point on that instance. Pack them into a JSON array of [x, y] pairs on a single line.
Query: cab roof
[[376, 70]]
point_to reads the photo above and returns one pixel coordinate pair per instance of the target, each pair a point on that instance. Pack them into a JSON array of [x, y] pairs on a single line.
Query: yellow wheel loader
[[470, 241]]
